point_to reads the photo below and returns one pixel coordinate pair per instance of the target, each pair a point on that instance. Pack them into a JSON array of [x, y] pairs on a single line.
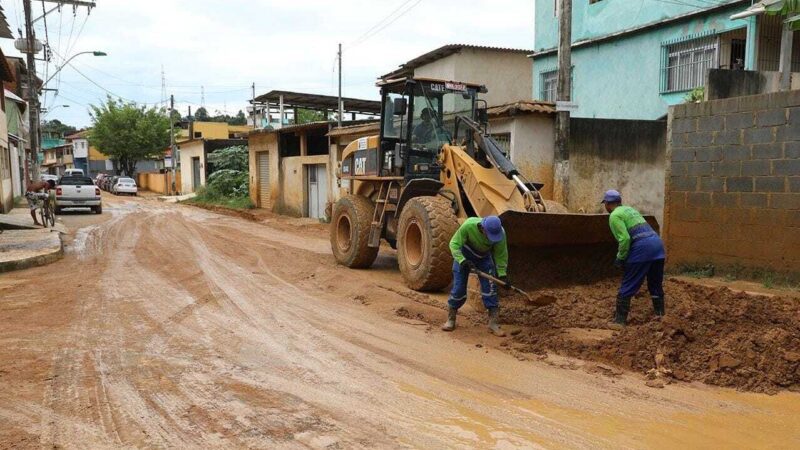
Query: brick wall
[[733, 182]]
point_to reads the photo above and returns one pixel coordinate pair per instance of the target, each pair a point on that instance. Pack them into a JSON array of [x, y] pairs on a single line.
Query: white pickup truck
[[78, 192]]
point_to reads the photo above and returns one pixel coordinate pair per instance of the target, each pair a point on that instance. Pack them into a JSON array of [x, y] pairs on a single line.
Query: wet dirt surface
[[171, 326], [711, 334]]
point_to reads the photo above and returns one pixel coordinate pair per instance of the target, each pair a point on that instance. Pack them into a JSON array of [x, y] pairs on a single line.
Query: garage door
[[263, 180]]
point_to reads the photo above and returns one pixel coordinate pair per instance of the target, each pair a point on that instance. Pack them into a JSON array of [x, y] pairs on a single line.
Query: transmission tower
[[202, 97], [163, 86]]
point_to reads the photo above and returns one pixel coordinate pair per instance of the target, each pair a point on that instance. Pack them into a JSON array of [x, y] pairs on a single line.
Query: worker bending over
[[477, 244], [640, 253]]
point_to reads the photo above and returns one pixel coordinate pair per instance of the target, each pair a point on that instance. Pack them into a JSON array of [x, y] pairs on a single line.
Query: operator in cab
[[640, 254], [479, 243], [425, 131]]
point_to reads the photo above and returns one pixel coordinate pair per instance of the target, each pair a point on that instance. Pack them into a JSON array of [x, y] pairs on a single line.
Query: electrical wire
[[383, 24]]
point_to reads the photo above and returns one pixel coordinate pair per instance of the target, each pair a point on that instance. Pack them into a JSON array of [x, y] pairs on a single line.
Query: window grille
[[684, 63], [504, 140], [547, 85]]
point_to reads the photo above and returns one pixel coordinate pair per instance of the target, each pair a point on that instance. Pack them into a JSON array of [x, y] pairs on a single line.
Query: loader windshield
[[436, 106]]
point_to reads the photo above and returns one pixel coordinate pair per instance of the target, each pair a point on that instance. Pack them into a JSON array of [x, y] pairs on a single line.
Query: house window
[[547, 85], [198, 134], [504, 140], [685, 63], [5, 163]]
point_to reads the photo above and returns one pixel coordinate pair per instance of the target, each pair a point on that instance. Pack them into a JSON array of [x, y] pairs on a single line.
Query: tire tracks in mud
[[199, 330]]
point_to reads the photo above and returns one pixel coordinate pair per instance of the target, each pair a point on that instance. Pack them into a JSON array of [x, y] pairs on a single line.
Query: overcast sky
[[227, 45]]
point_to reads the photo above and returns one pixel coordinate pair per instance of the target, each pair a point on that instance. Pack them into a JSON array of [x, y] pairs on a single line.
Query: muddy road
[[171, 326]]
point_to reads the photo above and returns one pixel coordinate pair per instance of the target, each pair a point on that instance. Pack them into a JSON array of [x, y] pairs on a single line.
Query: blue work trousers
[[636, 272], [458, 295]]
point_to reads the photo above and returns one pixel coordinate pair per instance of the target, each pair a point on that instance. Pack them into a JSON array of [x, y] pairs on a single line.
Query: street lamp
[[47, 111], [94, 53]]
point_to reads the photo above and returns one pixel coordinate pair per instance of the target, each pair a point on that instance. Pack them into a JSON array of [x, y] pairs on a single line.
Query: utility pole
[[32, 93], [563, 94], [339, 106], [172, 145]]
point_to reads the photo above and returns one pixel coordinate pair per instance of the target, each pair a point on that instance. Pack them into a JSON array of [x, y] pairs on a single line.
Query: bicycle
[[47, 208]]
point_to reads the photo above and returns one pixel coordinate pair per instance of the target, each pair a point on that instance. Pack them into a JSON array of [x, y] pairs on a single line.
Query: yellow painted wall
[[264, 142], [95, 155], [214, 130]]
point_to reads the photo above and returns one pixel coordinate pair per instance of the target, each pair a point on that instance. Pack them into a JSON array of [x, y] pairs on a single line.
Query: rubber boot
[[621, 313], [450, 325], [658, 306], [494, 327]]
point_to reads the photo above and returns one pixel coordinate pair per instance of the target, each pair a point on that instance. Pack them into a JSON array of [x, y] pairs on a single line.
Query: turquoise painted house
[[631, 59]]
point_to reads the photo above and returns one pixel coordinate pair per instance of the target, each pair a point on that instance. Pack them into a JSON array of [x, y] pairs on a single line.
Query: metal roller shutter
[[263, 180]]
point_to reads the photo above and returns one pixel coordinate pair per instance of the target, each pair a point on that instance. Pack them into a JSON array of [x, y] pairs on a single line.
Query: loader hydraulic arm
[[494, 155]]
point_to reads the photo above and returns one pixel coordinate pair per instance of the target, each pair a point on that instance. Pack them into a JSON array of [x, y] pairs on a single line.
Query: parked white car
[[48, 177], [124, 185], [73, 173], [78, 192]]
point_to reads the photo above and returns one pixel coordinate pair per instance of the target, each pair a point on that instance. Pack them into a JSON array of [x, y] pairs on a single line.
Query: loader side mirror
[[483, 116], [400, 105]]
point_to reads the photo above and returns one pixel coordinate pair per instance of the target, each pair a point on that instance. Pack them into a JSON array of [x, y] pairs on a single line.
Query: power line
[[383, 24]]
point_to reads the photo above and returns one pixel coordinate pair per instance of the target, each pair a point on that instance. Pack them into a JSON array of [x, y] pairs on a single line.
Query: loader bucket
[[560, 249]]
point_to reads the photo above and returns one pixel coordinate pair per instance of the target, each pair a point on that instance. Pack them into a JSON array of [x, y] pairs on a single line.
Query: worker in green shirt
[[640, 253], [479, 243]]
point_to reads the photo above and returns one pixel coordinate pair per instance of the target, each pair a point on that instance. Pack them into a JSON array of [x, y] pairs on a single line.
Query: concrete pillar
[[785, 67], [280, 111], [751, 46]]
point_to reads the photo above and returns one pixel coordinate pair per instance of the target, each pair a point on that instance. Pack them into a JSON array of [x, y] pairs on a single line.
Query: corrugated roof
[[320, 102], [407, 68], [79, 135], [373, 127], [292, 128], [522, 107]]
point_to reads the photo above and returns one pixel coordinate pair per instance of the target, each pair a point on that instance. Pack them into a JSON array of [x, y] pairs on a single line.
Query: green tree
[[308, 116], [230, 176], [56, 127], [201, 115], [128, 133], [789, 8], [238, 119]]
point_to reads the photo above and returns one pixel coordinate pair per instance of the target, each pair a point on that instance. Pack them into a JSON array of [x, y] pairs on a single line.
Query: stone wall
[[733, 185]]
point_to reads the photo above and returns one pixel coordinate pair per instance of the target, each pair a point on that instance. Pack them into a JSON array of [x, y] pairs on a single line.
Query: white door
[[317, 190], [263, 180]]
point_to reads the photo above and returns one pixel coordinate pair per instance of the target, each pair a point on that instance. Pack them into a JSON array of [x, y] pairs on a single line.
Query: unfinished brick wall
[[733, 184]]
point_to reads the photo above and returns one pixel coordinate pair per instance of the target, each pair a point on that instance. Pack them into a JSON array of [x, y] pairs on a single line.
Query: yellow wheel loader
[[432, 166]]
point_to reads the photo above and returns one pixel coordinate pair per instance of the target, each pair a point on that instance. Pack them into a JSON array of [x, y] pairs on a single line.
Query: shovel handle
[[501, 282]]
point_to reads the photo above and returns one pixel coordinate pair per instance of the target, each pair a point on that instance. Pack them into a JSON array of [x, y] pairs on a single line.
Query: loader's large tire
[[352, 217], [425, 228]]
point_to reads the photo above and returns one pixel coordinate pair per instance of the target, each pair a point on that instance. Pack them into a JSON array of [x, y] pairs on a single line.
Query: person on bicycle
[[31, 190]]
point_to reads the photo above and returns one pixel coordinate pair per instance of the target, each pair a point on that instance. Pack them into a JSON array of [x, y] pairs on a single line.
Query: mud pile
[[713, 335]]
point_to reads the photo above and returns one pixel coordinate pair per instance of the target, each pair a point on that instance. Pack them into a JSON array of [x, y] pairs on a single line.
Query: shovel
[[541, 300]]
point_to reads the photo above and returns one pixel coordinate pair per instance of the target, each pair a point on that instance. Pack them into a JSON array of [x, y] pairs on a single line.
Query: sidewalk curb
[[34, 261]]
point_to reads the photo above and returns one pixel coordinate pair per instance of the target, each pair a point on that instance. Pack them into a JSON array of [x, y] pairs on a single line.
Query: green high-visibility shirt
[[621, 220], [469, 234]]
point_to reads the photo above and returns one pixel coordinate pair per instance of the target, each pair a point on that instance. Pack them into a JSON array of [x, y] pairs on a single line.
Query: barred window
[[685, 63], [548, 85], [5, 163], [504, 140]]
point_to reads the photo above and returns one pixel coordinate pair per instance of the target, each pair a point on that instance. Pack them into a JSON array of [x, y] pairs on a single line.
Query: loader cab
[[418, 117]]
